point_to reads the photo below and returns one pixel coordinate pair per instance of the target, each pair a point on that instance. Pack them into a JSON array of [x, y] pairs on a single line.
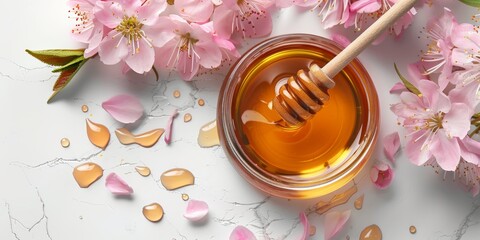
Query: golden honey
[[316, 158]]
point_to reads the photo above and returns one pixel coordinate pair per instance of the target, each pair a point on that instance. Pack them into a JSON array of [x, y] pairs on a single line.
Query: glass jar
[[304, 166]]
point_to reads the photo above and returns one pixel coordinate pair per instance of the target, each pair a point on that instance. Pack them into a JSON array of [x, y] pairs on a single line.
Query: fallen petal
[[334, 222], [196, 210], [242, 233], [391, 144], [306, 226], [381, 175], [117, 186], [168, 129], [124, 108]]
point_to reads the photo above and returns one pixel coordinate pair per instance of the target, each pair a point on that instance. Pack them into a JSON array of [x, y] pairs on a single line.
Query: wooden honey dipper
[[304, 94]]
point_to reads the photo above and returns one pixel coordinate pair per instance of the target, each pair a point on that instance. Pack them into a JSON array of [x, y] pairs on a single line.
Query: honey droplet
[[341, 198], [187, 117], [312, 230], [153, 212], [176, 94], [412, 229], [87, 173], [65, 142], [177, 178], [84, 108], [185, 197], [208, 136], [358, 204], [371, 232], [201, 102], [143, 171], [146, 139], [98, 134]]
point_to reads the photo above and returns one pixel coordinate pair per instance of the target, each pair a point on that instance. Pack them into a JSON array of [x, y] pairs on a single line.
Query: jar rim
[[273, 184]]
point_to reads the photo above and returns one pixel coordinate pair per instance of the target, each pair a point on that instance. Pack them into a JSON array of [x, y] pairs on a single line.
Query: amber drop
[[84, 108], [371, 232], [176, 94], [65, 142], [358, 204], [412, 229], [153, 212], [171, 2], [201, 102], [143, 171], [87, 173], [339, 199], [177, 178], [185, 197], [312, 230], [187, 117], [146, 139], [208, 136], [98, 134]]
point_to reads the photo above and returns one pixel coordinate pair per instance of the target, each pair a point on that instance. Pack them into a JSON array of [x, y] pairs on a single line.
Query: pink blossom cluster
[[185, 35], [439, 102]]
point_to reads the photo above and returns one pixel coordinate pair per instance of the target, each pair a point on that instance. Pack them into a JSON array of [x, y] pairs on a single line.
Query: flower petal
[[94, 41], [381, 175], [391, 144], [124, 108], [365, 6], [415, 151], [257, 25], [195, 10], [340, 39], [142, 60], [168, 129], [470, 150], [445, 150], [196, 210], [109, 13], [242, 233], [223, 18], [334, 222], [117, 186], [457, 121], [306, 226], [398, 88], [112, 50]]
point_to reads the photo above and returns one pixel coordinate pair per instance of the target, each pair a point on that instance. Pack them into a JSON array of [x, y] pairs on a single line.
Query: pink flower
[[438, 56], [187, 47], [466, 54], [381, 175], [229, 51], [134, 32], [87, 29], [242, 233], [198, 11], [333, 12], [434, 125], [249, 18]]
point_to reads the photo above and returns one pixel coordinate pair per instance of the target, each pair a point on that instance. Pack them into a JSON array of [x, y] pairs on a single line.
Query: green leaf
[[70, 64], [473, 3], [56, 57], [405, 82], [65, 77]]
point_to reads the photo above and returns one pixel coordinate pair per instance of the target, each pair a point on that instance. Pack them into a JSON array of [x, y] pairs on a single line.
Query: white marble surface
[[39, 198]]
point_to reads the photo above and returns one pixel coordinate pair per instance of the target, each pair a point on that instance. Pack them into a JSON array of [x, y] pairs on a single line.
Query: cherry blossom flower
[[87, 28], [434, 125], [381, 175], [187, 46], [466, 54], [134, 32], [229, 50], [249, 18], [439, 51]]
